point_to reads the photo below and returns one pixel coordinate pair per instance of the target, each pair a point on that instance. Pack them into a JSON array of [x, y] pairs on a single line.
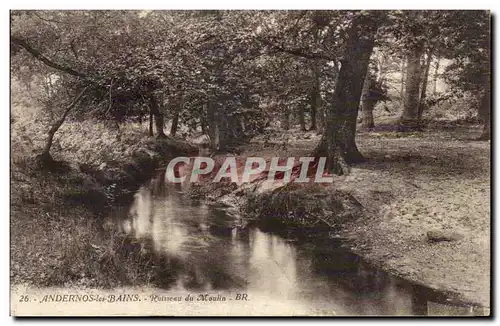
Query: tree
[[338, 141], [423, 88], [127, 58], [416, 33], [231, 72], [375, 85], [459, 35], [468, 42], [367, 103], [409, 117], [45, 158]]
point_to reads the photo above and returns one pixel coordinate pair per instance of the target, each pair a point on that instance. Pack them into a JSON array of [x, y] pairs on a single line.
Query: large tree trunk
[[45, 158], [352, 153], [409, 119], [423, 91], [158, 116], [338, 141], [367, 104]]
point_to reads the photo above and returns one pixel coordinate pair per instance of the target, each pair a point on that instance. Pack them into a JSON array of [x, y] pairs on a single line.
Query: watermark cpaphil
[[241, 170]]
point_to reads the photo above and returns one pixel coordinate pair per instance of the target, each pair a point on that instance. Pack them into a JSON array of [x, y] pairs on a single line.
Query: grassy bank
[[60, 234], [300, 206]]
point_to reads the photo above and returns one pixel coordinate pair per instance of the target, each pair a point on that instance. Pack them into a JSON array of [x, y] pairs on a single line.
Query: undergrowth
[[298, 205]]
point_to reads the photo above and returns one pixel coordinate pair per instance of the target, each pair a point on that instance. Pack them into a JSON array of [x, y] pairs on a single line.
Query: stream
[[209, 251]]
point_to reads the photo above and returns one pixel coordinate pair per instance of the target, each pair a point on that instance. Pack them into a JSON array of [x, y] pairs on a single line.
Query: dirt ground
[[437, 180]]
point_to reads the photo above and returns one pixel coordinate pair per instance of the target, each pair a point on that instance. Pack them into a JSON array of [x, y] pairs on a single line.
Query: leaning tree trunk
[[45, 158], [423, 91], [409, 119], [158, 116], [338, 140], [367, 104]]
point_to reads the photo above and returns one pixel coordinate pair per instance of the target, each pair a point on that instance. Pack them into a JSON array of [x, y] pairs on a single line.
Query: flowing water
[[209, 251]]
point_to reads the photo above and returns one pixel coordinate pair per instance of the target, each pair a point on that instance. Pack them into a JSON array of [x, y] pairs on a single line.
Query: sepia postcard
[[250, 163]]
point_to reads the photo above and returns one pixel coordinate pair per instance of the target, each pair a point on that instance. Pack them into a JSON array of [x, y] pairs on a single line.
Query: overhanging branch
[[38, 55]]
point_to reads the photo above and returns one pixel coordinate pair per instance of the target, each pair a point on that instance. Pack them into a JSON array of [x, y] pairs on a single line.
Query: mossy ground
[[60, 234]]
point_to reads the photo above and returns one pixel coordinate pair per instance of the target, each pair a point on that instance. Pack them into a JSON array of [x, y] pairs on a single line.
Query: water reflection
[[207, 250]]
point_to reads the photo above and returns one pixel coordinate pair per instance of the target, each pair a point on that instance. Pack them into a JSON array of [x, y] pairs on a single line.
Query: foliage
[[234, 71], [471, 70]]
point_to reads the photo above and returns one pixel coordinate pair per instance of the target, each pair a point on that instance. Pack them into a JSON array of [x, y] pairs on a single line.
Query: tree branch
[[297, 51], [35, 53], [48, 20], [72, 104]]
